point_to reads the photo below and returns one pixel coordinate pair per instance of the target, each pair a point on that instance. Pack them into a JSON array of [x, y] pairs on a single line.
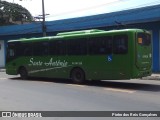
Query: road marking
[[76, 85], [120, 90]]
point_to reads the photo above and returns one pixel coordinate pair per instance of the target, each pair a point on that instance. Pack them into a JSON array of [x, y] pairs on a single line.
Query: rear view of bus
[[143, 54]]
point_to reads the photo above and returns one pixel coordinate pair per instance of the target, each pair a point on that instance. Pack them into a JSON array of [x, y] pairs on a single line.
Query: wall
[[2, 54]]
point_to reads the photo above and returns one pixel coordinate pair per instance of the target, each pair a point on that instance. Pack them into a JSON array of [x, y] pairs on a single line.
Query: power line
[[104, 4], [143, 5], [94, 18], [88, 8]]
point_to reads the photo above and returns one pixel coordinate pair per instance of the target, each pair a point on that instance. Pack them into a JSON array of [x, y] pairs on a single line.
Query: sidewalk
[[2, 70], [154, 76]]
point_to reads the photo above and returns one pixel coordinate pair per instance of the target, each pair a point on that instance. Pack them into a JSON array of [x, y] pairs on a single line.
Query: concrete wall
[[2, 54]]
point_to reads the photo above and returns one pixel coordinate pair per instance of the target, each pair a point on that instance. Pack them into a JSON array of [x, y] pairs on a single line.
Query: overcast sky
[[62, 9]]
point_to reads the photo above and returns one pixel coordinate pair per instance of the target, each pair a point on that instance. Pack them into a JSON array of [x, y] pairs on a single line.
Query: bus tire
[[23, 73], [78, 76]]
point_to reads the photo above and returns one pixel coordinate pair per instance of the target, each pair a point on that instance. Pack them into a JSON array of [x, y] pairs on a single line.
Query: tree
[[11, 13]]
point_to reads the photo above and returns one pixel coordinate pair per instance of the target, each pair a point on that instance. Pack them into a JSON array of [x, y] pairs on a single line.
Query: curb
[[154, 77], [2, 70]]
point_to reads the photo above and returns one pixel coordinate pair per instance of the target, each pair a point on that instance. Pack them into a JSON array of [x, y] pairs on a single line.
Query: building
[[144, 18]]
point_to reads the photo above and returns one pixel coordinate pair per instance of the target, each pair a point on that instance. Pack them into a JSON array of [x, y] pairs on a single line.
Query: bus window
[[58, 47], [120, 44], [45, 48], [144, 39], [13, 50], [11, 53], [77, 47], [100, 45], [27, 51], [40, 48], [109, 45]]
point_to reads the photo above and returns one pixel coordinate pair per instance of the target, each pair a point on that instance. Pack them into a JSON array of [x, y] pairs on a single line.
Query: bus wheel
[[77, 75], [23, 73]]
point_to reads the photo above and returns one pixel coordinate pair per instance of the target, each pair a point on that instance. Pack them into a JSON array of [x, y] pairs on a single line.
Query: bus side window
[[109, 44], [11, 53], [27, 49], [100, 45], [77, 46], [40, 48], [52, 48], [57, 47], [120, 44], [92, 46], [45, 48], [61, 47]]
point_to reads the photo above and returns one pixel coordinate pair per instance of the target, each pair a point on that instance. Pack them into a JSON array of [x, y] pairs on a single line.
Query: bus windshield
[[144, 39]]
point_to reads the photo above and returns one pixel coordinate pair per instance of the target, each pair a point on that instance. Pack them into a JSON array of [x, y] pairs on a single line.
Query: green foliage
[[13, 11]]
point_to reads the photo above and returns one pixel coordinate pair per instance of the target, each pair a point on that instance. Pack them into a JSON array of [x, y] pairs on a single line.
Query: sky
[[63, 9]]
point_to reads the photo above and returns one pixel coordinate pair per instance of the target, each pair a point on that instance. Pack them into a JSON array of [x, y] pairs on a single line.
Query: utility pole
[[43, 17], [43, 22]]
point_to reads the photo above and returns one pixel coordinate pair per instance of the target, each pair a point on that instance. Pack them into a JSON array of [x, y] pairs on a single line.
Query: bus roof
[[76, 33], [80, 32]]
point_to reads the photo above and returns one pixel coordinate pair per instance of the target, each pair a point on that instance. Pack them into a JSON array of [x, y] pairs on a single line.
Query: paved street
[[61, 95]]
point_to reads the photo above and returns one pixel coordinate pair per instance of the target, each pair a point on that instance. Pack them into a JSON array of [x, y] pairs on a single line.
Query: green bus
[[82, 55]]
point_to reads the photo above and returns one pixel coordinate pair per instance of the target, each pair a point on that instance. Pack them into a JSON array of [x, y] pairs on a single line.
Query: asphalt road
[[61, 95]]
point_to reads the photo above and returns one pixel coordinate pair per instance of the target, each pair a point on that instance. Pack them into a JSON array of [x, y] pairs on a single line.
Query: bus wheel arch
[[77, 75], [23, 72]]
